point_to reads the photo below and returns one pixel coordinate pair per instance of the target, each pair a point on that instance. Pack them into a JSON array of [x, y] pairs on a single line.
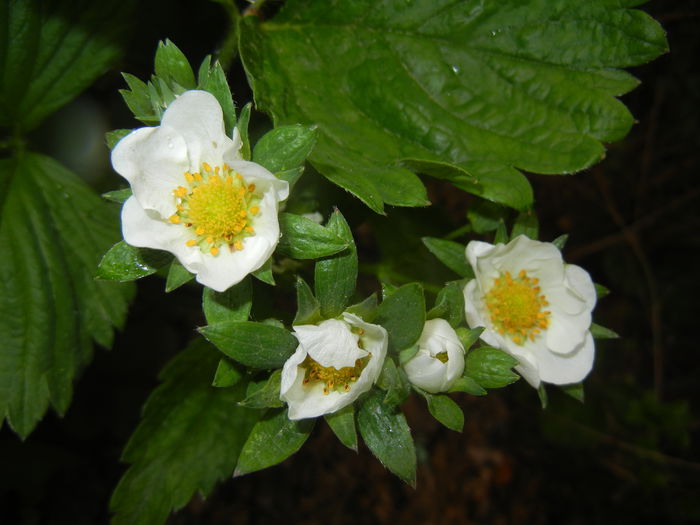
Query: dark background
[[629, 455]]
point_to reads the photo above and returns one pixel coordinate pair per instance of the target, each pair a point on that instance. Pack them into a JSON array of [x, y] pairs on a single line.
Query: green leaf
[[501, 235], [449, 304], [232, 305], [468, 385], [526, 224], [171, 65], [302, 238], [342, 424], [177, 276], [264, 273], [469, 336], [118, 196], [407, 354], [242, 126], [50, 52], [308, 308], [267, 395], [600, 332], [490, 367], [273, 439], [485, 216], [451, 254], [394, 381], [335, 277], [256, 345], [227, 374], [124, 262], [575, 391], [400, 79], [53, 229], [384, 429], [189, 438], [403, 315], [445, 411], [213, 80], [285, 148]]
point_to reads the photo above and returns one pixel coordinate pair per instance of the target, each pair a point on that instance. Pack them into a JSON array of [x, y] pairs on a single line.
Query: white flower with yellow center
[[195, 197], [440, 358], [534, 307], [335, 362]]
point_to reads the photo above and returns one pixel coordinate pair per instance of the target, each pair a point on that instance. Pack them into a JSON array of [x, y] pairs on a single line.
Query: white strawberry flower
[[335, 362], [533, 306], [439, 360], [194, 195]]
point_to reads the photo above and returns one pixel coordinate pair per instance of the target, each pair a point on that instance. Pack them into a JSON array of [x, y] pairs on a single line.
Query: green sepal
[[273, 439], [366, 309], [560, 241], [172, 66], [302, 238], [490, 367], [542, 394], [468, 385], [385, 432], [342, 424], [600, 332], [256, 345], [118, 196], [469, 336], [177, 276], [407, 354], [600, 290], [124, 262], [308, 307], [265, 394], [445, 410], [403, 315], [575, 391], [213, 79], [485, 216], [451, 254], [526, 224], [233, 304], [243, 120], [290, 176], [264, 273], [393, 380], [449, 304], [501, 236], [227, 374], [114, 136]]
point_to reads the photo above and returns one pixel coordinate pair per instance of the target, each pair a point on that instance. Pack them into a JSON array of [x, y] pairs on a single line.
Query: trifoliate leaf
[[177, 276], [189, 438], [50, 52], [401, 81], [53, 229], [335, 276], [273, 439], [403, 315], [385, 432], [284, 148]]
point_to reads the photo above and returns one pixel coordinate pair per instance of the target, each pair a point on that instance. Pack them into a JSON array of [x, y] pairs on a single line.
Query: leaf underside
[[471, 92]]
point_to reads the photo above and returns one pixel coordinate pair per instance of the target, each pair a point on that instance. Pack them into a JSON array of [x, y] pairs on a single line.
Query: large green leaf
[[189, 438], [50, 51], [53, 230], [467, 91]]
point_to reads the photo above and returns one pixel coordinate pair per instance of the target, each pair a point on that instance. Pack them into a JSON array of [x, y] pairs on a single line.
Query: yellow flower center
[[516, 307], [333, 378], [218, 206]]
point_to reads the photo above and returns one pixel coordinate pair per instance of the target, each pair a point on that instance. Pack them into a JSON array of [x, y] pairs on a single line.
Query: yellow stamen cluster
[[333, 378], [218, 206], [516, 307]]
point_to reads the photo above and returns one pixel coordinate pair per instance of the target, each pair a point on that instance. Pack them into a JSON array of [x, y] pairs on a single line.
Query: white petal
[[426, 372], [256, 174], [154, 161], [565, 332], [476, 316], [528, 369], [477, 249], [580, 280], [566, 369], [330, 343], [291, 370], [197, 116], [140, 229]]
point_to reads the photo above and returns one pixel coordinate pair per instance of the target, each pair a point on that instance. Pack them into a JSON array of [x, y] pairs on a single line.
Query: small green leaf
[[451, 254], [484, 216], [365, 309], [308, 308], [445, 411], [600, 332], [138, 100], [403, 315], [394, 381], [264, 273], [469, 336], [242, 126], [384, 429], [118, 196], [273, 439], [267, 396], [214, 81], [501, 235], [232, 305], [407, 354], [468, 385], [490, 367], [124, 262], [302, 238], [285, 147], [342, 424], [560, 241], [449, 304], [177, 276], [526, 224], [601, 291], [189, 438], [171, 65], [113, 137], [227, 374], [256, 345], [575, 391], [335, 277]]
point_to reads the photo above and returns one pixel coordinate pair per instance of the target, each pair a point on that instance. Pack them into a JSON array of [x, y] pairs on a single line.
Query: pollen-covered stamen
[[338, 379], [218, 206], [516, 307]]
